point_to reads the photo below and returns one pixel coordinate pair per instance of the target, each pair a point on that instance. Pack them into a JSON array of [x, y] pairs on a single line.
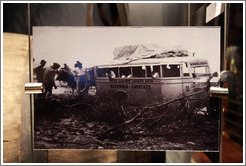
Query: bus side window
[[138, 71], [156, 71], [114, 72], [170, 71], [153, 71], [101, 72], [125, 72]]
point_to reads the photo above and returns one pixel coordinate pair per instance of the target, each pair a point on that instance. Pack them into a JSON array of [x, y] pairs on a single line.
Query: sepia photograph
[[126, 88]]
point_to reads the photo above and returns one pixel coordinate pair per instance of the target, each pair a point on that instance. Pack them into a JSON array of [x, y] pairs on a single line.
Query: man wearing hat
[[49, 78], [40, 71]]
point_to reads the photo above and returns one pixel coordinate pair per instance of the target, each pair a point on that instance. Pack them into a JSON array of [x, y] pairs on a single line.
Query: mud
[[67, 121]]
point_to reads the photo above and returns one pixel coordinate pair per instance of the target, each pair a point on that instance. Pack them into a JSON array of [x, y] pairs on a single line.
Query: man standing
[[40, 71], [49, 78], [79, 74]]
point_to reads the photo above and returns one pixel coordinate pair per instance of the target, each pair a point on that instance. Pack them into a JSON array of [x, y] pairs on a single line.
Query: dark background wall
[[15, 16]]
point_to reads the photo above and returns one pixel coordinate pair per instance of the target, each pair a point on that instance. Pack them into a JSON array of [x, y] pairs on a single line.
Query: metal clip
[[225, 77], [34, 88], [218, 92]]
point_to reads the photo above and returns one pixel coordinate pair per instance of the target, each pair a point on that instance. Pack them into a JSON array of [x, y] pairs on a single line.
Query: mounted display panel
[[126, 88]]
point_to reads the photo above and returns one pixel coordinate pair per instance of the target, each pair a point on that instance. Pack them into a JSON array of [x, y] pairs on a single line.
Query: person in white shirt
[[79, 76]]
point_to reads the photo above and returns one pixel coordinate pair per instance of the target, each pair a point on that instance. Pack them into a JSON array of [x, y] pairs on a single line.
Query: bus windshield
[[200, 71]]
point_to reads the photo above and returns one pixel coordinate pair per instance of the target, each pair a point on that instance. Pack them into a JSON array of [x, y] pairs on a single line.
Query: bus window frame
[[180, 71], [207, 67], [180, 64], [140, 66]]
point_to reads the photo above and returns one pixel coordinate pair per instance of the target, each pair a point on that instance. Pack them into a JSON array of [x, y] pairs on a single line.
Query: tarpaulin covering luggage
[[134, 52]]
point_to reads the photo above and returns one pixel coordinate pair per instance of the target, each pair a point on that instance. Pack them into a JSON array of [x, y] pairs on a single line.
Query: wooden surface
[[232, 152], [25, 133], [135, 156], [199, 157], [15, 52], [178, 157], [80, 156]]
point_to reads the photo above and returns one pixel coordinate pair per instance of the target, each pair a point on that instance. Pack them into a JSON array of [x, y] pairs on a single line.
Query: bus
[[153, 80]]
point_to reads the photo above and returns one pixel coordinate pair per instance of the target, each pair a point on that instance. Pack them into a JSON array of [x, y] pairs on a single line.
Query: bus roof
[[193, 61]]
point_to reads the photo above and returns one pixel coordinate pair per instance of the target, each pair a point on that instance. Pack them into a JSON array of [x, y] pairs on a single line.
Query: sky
[[95, 45]]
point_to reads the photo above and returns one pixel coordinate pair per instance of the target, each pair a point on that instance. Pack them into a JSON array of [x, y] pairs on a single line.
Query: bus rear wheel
[[121, 97]]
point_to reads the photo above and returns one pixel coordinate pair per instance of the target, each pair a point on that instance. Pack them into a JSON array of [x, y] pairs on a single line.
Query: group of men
[[47, 75]]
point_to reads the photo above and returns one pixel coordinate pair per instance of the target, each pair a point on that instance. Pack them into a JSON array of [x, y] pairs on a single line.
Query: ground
[[68, 121]]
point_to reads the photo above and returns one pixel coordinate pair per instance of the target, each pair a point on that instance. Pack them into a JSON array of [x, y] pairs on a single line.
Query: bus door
[[201, 75], [195, 83], [187, 79], [171, 81]]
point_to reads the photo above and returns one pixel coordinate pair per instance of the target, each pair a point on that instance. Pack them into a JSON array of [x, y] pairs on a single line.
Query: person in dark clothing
[[40, 71], [49, 78], [66, 68]]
